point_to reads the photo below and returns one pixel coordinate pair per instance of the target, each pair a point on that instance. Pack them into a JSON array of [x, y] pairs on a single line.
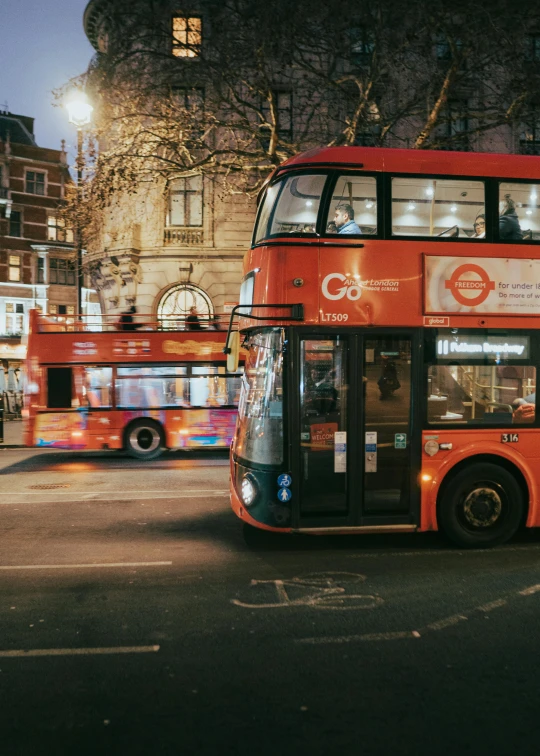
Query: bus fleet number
[[334, 317]]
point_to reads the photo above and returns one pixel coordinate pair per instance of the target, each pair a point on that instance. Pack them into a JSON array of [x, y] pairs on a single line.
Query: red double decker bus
[[390, 311], [91, 385]]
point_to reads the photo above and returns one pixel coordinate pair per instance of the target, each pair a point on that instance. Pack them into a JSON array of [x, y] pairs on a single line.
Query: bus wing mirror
[[233, 354]]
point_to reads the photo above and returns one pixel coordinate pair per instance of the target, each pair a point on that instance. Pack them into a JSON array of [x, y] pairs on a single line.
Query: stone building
[[170, 245]]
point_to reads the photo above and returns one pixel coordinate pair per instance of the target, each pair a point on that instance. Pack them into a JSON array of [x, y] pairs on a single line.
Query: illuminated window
[[354, 201], [57, 231], [438, 207], [176, 303], [14, 317], [186, 202], [35, 182], [187, 36], [14, 268]]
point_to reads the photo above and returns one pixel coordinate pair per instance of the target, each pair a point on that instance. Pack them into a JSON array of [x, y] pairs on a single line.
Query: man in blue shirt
[[344, 220]]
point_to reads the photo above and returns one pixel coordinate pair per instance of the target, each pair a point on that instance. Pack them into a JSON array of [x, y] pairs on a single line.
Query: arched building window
[[177, 302]]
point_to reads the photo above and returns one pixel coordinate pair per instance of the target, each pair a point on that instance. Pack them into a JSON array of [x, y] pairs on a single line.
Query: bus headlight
[[248, 490]]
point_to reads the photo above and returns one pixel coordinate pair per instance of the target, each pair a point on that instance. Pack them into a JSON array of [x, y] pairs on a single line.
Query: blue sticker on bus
[[371, 447], [284, 494], [284, 480]]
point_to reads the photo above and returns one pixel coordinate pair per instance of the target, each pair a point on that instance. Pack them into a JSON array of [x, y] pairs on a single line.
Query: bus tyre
[[144, 439], [482, 505]]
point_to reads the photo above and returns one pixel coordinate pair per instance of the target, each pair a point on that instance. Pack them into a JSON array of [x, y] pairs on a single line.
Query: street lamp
[[80, 114]]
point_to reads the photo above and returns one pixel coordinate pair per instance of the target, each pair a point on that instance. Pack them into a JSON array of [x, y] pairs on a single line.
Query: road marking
[[529, 591], [437, 552], [447, 622], [492, 605], [82, 566], [116, 495], [21, 653], [454, 619], [365, 637]]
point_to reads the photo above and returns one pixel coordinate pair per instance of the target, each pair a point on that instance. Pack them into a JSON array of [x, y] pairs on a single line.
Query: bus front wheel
[[481, 505], [144, 439]]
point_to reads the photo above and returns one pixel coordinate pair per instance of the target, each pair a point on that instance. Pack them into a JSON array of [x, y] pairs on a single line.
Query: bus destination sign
[[452, 347]]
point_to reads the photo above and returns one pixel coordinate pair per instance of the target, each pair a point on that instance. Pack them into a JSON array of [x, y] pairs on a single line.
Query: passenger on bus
[[126, 321], [479, 227], [509, 227], [344, 220], [331, 228], [525, 409], [192, 321]]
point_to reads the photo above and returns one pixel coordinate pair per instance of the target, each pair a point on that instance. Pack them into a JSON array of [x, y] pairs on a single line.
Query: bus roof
[[487, 164]]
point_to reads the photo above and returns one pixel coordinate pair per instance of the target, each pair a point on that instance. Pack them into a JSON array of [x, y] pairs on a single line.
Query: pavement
[[13, 433], [138, 616]]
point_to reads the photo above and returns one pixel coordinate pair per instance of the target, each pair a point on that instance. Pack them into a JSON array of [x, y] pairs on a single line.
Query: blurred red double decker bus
[[152, 386], [390, 309]]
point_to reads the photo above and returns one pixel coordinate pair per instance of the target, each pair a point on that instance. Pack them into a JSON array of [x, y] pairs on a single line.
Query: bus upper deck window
[[291, 206], [519, 211], [353, 209], [438, 207]]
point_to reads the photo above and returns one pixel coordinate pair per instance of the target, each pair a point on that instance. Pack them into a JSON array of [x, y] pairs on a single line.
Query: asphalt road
[[138, 617]]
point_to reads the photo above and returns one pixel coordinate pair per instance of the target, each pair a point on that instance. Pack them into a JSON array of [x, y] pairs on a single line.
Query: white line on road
[[447, 622], [119, 494], [365, 637], [82, 566], [491, 605], [21, 653], [437, 552], [529, 591], [439, 625]]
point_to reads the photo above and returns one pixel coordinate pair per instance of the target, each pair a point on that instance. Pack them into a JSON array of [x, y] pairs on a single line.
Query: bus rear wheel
[[481, 506], [144, 439]]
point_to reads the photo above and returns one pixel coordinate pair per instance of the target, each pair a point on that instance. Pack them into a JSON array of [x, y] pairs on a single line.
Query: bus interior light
[[453, 209], [429, 191], [426, 478], [533, 195], [248, 490], [528, 212], [411, 206]]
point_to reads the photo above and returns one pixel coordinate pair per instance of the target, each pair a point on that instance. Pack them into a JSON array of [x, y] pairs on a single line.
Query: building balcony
[[184, 237]]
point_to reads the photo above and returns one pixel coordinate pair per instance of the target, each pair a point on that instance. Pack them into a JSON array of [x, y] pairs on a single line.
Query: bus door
[[355, 431]]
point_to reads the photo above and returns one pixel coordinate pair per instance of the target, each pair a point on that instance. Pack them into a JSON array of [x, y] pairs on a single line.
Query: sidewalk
[[13, 433]]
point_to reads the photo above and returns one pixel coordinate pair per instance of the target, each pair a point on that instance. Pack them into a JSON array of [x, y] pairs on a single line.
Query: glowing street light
[[79, 110]]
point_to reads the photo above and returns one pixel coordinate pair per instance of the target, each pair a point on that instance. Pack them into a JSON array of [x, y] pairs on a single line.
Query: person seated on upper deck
[[479, 227], [331, 228], [344, 220], [509, 227]]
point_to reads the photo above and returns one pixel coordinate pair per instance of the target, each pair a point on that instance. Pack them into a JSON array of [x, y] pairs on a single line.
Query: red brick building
[[37, 258]]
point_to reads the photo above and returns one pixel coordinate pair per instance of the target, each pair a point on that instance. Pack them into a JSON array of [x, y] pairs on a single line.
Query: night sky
[[42, 45]]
